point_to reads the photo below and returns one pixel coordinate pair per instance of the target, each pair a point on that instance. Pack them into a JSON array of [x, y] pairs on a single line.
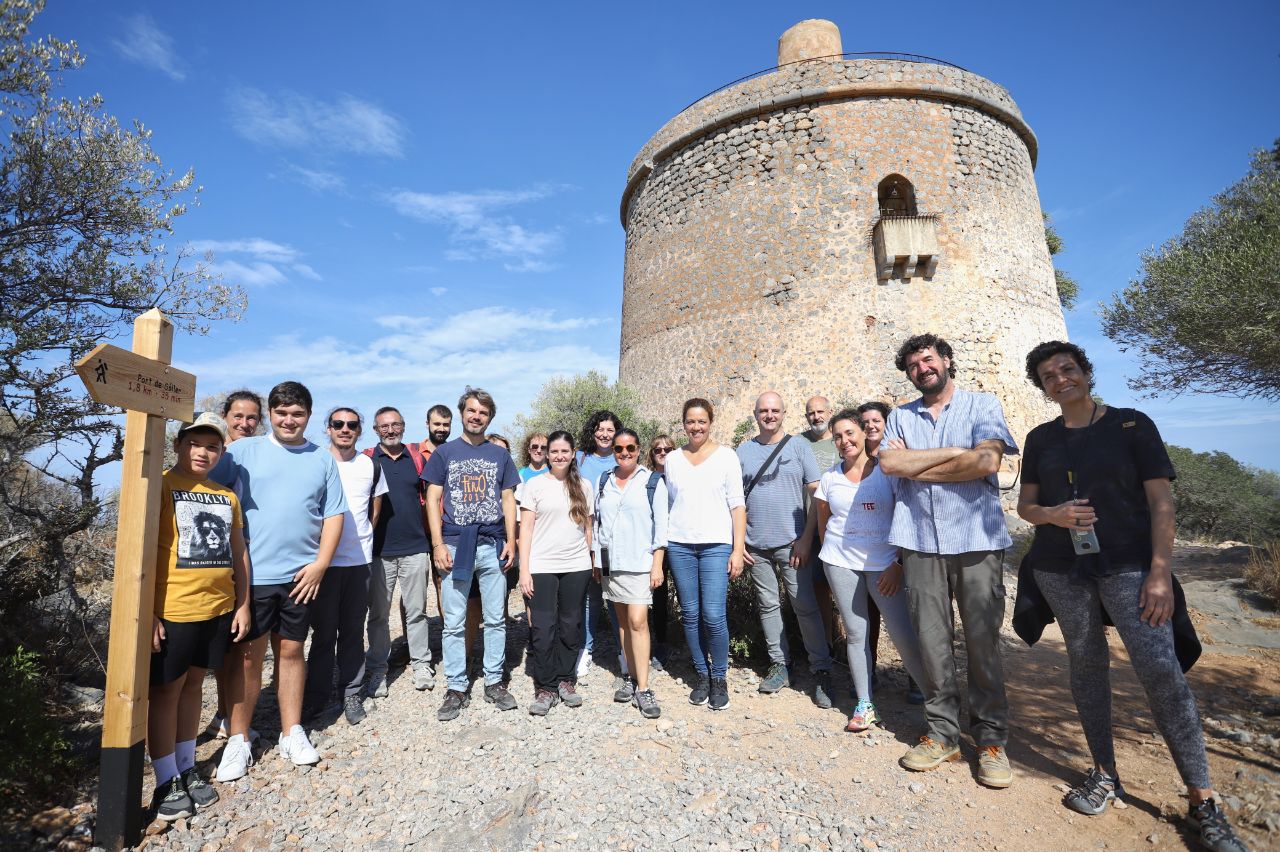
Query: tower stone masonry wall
[[749, 259]]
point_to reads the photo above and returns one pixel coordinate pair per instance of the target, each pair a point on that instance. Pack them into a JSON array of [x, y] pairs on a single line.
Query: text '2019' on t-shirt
[[473, 478], [194, 579]]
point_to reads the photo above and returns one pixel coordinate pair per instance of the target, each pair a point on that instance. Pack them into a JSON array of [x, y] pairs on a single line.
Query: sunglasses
[[619, 449], [353, 425], [662, 451], [537, 446]]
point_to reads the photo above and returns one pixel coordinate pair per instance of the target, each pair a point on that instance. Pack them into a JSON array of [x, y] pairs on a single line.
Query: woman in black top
[[1096, 483]]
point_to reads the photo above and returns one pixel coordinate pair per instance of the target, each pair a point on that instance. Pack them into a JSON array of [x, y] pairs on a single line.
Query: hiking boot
[[822, 689], [701, 690], [499, 696], [200, 790], [353, 709], [928, 754], [993, 767], [543, 701], [452, 705], [237, 757], [377, 686], [569, 694], [171, 801], [1215, 831], [424, 677], [864, 716], [625, 691], [1092, 795], [296, 747], [647, 703], [719, 695], [777, 678]]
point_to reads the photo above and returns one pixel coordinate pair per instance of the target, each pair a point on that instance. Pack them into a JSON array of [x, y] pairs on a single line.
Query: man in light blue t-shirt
[[293, 513], [778, 474]]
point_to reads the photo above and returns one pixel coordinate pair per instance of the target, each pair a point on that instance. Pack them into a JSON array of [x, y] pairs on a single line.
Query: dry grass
[[1262, 572]]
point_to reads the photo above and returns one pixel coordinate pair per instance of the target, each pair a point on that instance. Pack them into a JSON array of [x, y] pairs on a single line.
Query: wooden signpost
[[151, 392]]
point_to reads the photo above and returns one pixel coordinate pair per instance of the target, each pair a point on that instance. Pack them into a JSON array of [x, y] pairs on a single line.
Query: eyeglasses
[[662, 451], [389, 427], [353, 425], [619, 449]]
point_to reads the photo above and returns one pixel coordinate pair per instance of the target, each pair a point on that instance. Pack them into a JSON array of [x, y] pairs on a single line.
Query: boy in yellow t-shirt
[[201, 604]]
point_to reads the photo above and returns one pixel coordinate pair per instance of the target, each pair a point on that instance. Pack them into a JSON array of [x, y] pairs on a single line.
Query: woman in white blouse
[[555, 567], [855, 511], [706, 535], [630, 540]]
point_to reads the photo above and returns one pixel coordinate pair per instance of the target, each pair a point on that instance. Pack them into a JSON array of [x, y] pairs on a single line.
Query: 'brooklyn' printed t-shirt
[[473, 479], [193, 551]]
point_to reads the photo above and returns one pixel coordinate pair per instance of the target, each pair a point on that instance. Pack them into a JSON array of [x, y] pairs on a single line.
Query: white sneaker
[[237, 757], [296, 747], [584, 663]]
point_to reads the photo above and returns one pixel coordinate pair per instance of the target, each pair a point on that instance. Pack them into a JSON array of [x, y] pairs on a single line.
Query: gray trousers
[[411, 573], [337, 623], [770, 566], [851, 590], [976, 581]]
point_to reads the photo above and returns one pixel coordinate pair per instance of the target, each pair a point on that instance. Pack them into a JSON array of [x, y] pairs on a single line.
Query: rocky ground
[[769, 772]]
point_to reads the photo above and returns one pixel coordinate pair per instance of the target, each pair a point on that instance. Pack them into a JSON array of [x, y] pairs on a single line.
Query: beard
[[439, 436], [933, 384]]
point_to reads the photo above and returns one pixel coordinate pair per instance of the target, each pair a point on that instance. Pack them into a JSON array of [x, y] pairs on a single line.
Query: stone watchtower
[[789, 231]]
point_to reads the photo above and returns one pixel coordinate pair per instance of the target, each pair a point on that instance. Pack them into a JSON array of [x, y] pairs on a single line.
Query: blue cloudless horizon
[[416, 198]]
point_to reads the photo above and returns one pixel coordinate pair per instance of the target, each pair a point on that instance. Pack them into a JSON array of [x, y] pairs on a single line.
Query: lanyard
[[1066, 447]]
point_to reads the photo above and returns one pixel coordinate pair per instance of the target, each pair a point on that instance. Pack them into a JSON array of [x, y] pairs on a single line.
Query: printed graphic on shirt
[[473, 491], [204, 529]]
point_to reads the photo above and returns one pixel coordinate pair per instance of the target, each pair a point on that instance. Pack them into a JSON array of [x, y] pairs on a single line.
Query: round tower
[[789, 231]]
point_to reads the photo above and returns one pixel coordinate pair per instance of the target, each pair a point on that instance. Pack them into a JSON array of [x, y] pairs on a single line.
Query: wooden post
[[124, 716]]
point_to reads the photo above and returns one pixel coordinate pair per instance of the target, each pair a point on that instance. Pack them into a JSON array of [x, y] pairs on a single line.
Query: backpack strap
[[368, 451], [415, 453], [651, 488], [604, 479], [373, 487]]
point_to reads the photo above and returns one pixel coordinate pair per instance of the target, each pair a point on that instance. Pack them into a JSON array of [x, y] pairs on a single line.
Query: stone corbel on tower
[[906, 246]]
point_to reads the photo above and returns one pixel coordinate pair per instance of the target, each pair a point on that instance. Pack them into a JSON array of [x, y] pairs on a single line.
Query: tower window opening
[[897, 197]]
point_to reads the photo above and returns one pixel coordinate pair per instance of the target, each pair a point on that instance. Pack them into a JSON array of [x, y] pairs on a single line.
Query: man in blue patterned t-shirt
[[947, 447]]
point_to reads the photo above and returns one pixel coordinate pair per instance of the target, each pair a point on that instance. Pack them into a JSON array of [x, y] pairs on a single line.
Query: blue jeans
[[591, 616], [702, 581], [453, 596]]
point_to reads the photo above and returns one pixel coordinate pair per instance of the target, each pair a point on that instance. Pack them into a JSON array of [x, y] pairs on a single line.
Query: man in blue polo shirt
[[947, 447], [400, 547]]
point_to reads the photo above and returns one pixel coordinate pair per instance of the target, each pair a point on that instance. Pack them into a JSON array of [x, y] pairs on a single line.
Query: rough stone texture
[[809, 39], [749, 260]]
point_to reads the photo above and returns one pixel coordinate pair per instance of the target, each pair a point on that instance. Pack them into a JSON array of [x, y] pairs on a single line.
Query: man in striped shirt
[[947, 447]]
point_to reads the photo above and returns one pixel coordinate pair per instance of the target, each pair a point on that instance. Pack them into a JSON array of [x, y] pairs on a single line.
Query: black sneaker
[[719, 693], [822, 689], [201, 792], [701, 690], [499, 696], [452, 705], [172, 802], [353, 709], [1215, 831], [1092, 795]]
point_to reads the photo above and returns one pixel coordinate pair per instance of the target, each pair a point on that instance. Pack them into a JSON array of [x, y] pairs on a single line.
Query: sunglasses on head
[[618, 449], [353, 425]]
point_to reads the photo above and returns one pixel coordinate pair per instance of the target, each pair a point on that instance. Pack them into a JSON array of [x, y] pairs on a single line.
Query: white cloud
[[149, 46], [346, 124], [264, 262], [318, 180], [416, 361], [439, 291], [479, 230]]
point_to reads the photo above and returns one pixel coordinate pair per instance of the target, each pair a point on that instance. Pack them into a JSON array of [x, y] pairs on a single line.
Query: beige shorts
[[627, 588]]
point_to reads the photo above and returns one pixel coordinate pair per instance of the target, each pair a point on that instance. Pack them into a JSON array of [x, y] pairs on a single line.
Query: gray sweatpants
[[976, 581], [411, 573], [851, 590], [770, 565], [1078, 609]]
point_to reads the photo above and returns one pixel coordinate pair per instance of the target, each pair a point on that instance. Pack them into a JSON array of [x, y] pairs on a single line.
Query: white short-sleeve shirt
[[857, 534], [559, 544]]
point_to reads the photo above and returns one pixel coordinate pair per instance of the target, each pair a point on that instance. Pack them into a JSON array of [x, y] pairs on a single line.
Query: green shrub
[[33, 752], [1219, 499]]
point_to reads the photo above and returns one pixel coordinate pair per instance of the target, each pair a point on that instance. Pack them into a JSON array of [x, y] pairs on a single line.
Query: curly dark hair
[[925, 341], [588, 442], [1047, 350]]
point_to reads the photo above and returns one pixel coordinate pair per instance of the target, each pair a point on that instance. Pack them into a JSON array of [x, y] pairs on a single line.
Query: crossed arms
[[945, 464]]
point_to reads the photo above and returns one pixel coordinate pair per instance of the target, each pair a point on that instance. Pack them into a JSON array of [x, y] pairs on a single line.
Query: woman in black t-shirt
[[1096, 483]]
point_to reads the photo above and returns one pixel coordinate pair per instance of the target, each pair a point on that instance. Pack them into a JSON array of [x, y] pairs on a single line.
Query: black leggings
[[555, 618], [660, 614]]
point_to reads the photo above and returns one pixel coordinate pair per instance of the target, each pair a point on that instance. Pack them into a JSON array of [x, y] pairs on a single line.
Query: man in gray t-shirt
[[778, 474]]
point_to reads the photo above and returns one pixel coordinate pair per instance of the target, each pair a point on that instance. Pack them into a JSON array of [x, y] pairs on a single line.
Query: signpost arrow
[[150, 391]]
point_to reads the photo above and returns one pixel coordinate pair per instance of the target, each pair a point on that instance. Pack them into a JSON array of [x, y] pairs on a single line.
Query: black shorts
[[273, 611], [190, 643]]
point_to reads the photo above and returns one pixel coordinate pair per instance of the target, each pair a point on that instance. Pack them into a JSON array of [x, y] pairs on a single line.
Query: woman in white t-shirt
[[706, 535], [555, 568], [855, 511]]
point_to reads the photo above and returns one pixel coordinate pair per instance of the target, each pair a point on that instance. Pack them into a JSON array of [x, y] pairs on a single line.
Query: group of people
[[892, 514]]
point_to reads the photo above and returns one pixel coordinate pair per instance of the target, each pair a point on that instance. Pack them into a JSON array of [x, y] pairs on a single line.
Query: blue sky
[[418, 196]]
